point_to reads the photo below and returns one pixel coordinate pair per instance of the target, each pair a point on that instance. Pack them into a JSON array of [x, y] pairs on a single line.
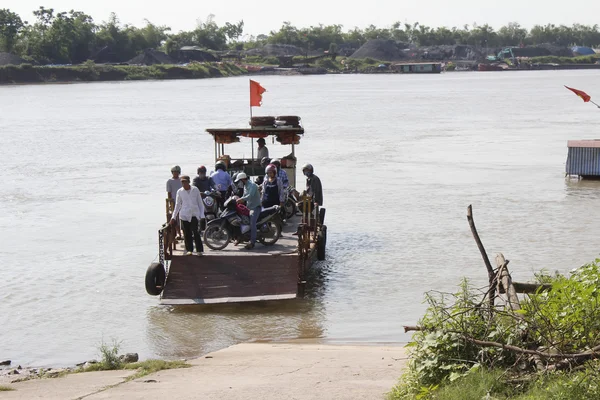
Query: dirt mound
[[276, 50], [381, 49], [10, 59], [151, 57], [559, 51]]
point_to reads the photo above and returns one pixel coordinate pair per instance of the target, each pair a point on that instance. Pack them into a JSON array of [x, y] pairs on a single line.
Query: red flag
[[586, 97], [256, 92]]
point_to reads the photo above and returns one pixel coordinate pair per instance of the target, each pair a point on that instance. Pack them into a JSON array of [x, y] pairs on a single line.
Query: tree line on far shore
[[73, 36]]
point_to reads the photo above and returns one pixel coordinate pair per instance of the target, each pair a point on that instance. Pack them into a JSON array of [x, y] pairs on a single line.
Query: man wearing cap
[[173, 185], [190, 209], [263, 151], [252, 198]]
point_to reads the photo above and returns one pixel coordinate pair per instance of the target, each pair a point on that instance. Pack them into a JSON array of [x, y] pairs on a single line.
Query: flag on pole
[[256, 92], [584, 96]]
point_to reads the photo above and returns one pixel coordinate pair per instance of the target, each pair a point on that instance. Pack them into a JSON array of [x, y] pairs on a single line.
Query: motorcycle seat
[[265, 212]]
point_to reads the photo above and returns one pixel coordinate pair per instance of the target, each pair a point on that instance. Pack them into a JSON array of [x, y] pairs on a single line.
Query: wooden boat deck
[[235, 274]]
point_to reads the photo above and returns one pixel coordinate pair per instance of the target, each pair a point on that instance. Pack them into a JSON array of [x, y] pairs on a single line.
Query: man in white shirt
[[190, 209], [262, 149]]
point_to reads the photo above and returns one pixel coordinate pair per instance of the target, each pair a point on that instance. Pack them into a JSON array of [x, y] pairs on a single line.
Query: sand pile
[[151, 57], [10, 59], [381, 49]]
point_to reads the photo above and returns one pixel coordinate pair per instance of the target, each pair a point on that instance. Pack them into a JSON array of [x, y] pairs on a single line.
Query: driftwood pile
[[502, 297]]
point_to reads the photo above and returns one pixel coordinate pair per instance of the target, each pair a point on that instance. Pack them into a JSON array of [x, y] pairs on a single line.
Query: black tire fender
[[155, 279], [322, 243]]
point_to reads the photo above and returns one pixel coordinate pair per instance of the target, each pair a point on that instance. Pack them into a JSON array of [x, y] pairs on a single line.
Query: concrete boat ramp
[[267, 371]]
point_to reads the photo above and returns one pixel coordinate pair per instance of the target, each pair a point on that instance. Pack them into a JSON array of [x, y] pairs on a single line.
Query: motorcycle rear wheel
[[216, 238], [270, 237], [289, 208]]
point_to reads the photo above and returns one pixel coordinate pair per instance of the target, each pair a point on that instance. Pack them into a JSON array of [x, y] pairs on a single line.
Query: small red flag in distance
[[256, 92], [585, 97]]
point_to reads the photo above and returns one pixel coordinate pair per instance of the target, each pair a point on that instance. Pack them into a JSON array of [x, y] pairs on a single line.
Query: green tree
[[10, 27], [512, 34]]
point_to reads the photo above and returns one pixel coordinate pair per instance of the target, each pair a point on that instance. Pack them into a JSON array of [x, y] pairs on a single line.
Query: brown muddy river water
[[83, 173]]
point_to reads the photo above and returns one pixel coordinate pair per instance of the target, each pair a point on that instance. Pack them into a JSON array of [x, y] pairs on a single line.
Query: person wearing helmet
[[221, 179], [263, 151], [281, 174], [252, 199], [272, 188], [239, 186], [173, 185], [313, 184], [203, 182], [264, 162]]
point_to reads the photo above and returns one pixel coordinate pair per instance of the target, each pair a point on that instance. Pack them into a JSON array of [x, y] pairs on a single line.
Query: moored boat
[[269, 272]]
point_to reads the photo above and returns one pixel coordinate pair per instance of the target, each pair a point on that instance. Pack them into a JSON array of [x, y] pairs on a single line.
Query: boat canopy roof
[[284, 135], [255, 132]]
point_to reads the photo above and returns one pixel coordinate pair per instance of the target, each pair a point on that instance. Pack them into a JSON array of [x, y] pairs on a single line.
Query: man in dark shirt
[[313, 184], [202, 182]]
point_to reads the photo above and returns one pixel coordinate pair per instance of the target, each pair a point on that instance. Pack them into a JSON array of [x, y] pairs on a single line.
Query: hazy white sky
[[261, 16]]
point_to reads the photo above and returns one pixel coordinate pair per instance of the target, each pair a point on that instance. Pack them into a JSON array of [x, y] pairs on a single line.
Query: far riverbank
[[90, 72]]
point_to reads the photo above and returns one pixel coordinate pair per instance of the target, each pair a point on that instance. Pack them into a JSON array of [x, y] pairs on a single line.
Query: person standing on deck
[[281, 174], [173, 185], [190, 208], [252, 199], [202, 182], [222, 180], [272, 188], [313, 184], [263, 151]]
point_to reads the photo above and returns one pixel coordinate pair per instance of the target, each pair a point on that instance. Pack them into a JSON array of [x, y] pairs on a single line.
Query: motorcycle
[[230, 225], [211, 204], [291, 199]]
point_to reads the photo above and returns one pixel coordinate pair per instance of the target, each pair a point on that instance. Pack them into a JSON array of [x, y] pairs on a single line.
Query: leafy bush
[[110, 356], [328, 63], [462, 341], [566, 60], [567, 318], [439, 352]]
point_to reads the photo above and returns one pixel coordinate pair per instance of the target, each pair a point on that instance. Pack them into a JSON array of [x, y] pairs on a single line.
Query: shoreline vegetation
[[71, 46], [508, 340], [91, 72], [110, 360]]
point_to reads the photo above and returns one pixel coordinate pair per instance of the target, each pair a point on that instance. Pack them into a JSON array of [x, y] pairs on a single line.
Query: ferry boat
[[233, 274]]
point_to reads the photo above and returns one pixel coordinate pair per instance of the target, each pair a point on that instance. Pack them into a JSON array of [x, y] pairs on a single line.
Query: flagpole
[[250, 82], [252, 140], [594, 104]]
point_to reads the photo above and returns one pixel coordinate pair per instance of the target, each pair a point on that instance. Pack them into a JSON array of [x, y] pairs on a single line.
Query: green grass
[[6, 388], [144, 367], [496, 385], [566, 60], [151, 366]]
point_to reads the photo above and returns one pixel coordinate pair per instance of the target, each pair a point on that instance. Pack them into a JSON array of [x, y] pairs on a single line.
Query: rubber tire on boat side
[[321, 215], [225, 242], [322, 244], [155, 279]]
